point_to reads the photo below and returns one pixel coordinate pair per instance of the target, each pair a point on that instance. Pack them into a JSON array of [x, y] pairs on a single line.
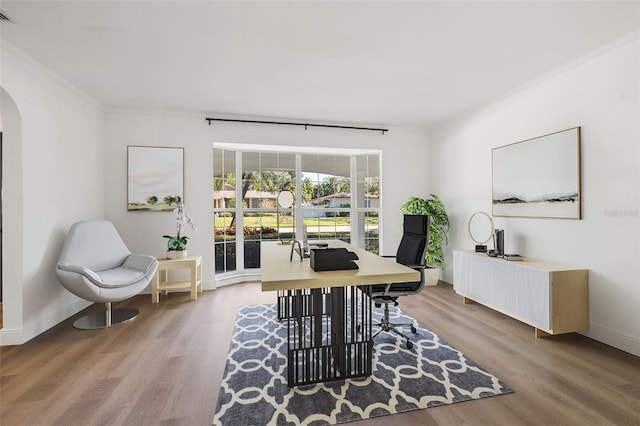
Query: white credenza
[[552, 298]]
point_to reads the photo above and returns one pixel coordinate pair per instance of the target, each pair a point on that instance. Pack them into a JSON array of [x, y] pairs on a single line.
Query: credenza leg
[[541, 333]]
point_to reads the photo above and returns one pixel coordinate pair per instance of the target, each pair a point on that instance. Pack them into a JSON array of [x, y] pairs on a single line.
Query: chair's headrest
[[416, 224], [414, 241]]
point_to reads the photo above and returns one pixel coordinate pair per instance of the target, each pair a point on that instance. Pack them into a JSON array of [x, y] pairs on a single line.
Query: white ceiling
[[378, 63]]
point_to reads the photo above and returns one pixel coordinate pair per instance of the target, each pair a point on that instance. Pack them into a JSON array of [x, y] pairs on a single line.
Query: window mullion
[[298, 199], [353, 212], [239, 214]]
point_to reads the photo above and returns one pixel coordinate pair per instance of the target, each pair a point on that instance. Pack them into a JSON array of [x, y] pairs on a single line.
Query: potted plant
[[177, 244], [438, 232]]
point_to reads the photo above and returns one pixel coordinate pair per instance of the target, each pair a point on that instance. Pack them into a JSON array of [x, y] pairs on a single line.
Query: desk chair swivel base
[[106, 318], [386, 325]]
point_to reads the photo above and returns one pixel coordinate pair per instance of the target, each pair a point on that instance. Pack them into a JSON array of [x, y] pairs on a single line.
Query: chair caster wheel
[[414, 330], [409, 345]]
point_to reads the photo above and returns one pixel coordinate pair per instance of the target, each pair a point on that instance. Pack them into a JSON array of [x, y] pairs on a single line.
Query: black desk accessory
[[499, 242], [297, 247], [512, 257], [332, 259], [304, 252]]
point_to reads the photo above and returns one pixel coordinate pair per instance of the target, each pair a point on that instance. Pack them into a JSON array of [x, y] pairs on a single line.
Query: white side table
[[160, 280]]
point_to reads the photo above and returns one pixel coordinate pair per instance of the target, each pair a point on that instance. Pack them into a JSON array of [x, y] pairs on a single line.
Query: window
[[224, 206], [340, 198]]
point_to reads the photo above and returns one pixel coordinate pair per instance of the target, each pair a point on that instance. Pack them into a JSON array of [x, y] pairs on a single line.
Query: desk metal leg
[[338, 317], [317, 317], [328, 334]]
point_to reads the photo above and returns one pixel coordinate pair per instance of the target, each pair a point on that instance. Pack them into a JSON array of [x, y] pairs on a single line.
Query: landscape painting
[[155, 178], [538, 177]]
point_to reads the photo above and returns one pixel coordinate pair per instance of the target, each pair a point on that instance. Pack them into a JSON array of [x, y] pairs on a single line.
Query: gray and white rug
[[254, 389]]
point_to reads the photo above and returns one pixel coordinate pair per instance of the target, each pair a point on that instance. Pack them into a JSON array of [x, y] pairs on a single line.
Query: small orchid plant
[[178, 242]]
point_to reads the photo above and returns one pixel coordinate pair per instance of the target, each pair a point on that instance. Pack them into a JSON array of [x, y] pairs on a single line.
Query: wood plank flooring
[[165, 367]]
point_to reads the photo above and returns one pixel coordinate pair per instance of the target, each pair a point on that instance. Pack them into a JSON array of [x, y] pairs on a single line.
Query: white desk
[[328, 316]]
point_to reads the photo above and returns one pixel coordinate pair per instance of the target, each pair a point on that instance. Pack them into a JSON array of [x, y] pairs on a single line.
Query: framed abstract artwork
[[538, 177], [155, 178]]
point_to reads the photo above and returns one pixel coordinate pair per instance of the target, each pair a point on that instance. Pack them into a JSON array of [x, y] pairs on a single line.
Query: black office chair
[[411, 252]]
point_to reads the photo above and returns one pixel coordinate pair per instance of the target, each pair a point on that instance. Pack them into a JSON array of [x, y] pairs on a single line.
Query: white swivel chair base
[[106, 318]]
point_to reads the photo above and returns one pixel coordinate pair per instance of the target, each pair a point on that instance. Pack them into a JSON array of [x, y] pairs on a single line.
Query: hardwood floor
[[165, 367]]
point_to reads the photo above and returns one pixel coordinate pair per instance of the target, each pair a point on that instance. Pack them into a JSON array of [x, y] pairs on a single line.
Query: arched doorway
[[11, 217]]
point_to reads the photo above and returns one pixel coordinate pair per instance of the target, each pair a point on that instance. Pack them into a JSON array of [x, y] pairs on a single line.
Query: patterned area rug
[[254, 390]]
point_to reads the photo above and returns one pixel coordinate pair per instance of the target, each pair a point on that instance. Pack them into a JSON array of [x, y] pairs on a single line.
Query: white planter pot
[[431, 276], [176, 254]]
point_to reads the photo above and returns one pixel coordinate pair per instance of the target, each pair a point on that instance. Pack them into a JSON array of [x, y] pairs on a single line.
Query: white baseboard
[[613, 338], [208, 285], [10, 337], [221, 281]]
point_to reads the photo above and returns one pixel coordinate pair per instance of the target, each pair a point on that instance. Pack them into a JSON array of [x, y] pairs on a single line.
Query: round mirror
[[285, 199], [481, 227]]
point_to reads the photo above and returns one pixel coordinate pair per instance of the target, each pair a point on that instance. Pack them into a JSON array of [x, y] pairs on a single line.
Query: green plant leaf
[[175, 243]]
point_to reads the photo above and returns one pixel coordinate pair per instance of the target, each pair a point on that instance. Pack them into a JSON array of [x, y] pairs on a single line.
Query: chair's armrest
[[80, 270], [140, 262], [417, 267]]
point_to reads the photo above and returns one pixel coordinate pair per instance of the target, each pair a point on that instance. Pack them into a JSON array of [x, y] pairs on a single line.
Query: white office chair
[[96, 265]]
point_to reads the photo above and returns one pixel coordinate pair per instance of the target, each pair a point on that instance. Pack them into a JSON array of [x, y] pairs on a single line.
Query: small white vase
[[176, 254]]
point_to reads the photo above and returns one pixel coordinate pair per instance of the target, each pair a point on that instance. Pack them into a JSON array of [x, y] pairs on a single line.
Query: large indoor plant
[[438, 232], [177, 244]]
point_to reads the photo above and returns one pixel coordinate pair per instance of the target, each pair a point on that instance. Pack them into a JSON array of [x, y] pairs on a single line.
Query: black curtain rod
[[297, 124]]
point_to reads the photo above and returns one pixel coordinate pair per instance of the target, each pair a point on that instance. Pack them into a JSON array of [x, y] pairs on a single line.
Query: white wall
[[404, 173], [601, 94], [53, 176], [66, 161]]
